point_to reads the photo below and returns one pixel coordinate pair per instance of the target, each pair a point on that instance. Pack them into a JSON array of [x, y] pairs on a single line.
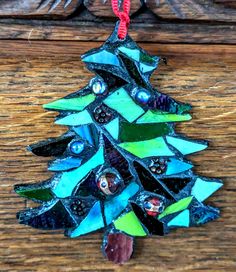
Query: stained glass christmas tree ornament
[[121, 166]]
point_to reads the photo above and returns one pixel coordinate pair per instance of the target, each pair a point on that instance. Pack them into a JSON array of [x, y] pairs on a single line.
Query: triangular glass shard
[[71, 104], [130, 132], [204, 214], [146, 68], [36, 192], [130, 53], [64, 164], [202, 189], [177, 206], [162, 117], [185, 147], [129, 224], [176, 184], [181, 220], [69, 180], [114, 207], [93, 221], [88, 133], [76, 119], [148, 148], [117, 160], [175, 166], [113, 128], [52, 215], [149, 183], [121, 102], [101, 57], [52, 146], [153, 226]]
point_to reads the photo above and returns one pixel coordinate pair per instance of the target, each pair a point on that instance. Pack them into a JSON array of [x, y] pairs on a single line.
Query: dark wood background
[[40, 46]]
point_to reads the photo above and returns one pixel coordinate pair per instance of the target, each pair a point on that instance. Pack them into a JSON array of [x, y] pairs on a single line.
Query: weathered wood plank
[[35, 73], [38, 8], [100, 30], [192, 10]]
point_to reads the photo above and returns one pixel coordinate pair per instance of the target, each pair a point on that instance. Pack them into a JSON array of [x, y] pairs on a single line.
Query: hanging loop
[[123, 16]]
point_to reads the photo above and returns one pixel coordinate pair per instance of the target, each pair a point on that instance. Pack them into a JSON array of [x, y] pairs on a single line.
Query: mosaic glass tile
[[102, 57], [176, 166], [121, 102], [148, 148], [131, 53], [181, 220], [64, 164], [76, 119], [71, 104], [113, 128]]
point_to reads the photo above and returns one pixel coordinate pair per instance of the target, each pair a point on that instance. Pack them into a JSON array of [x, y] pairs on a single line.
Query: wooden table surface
[[35, 72]]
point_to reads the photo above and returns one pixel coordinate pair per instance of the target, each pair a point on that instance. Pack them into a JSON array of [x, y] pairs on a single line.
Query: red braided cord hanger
[[123, 16]]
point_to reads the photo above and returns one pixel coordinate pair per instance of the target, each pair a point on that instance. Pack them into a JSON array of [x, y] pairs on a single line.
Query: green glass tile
[[130, 132], [149, 148], [130, 224], [43, 194], [73, 104], [121, 102], [69, 180], [76, 119], [176, 207], [181, 220], [146, 58], [184, 146], [113, 128], [162, 117]]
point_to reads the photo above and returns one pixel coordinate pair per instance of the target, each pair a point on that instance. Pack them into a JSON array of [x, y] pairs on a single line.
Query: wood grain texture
[[38, 8], [36, 72], [99, 31], [192, 10]]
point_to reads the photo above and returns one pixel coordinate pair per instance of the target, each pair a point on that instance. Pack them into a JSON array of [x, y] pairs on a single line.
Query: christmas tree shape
[[121, 166]]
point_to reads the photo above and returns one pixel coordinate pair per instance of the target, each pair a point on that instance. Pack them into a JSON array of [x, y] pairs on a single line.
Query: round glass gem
[[77, 147], [109, 183], [153, 206], [98, 86], [142, 96]]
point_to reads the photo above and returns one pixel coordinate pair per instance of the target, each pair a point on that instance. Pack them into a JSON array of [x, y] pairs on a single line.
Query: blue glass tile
[[116, 205], [202, 189], [102, 57], [175, 166], [64, 164], [184, 146], [181, 220], [131, 53], [203, 214], [88, 133], [146, 68], [93, 221], [113, 128], [69, 180], [76, 119]]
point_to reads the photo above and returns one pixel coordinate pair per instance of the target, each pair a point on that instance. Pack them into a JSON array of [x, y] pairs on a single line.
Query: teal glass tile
[[184, 146], [69, 180], [146, 68], [181, 220], [113, 128], [149, 148], [76, 119], [64, 164], [102, 57], [86, 132], [93, 221], [121, 102], [202, 189], [175, 166], [131, 53], [162, 117], [72, 104], [117, 204]]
